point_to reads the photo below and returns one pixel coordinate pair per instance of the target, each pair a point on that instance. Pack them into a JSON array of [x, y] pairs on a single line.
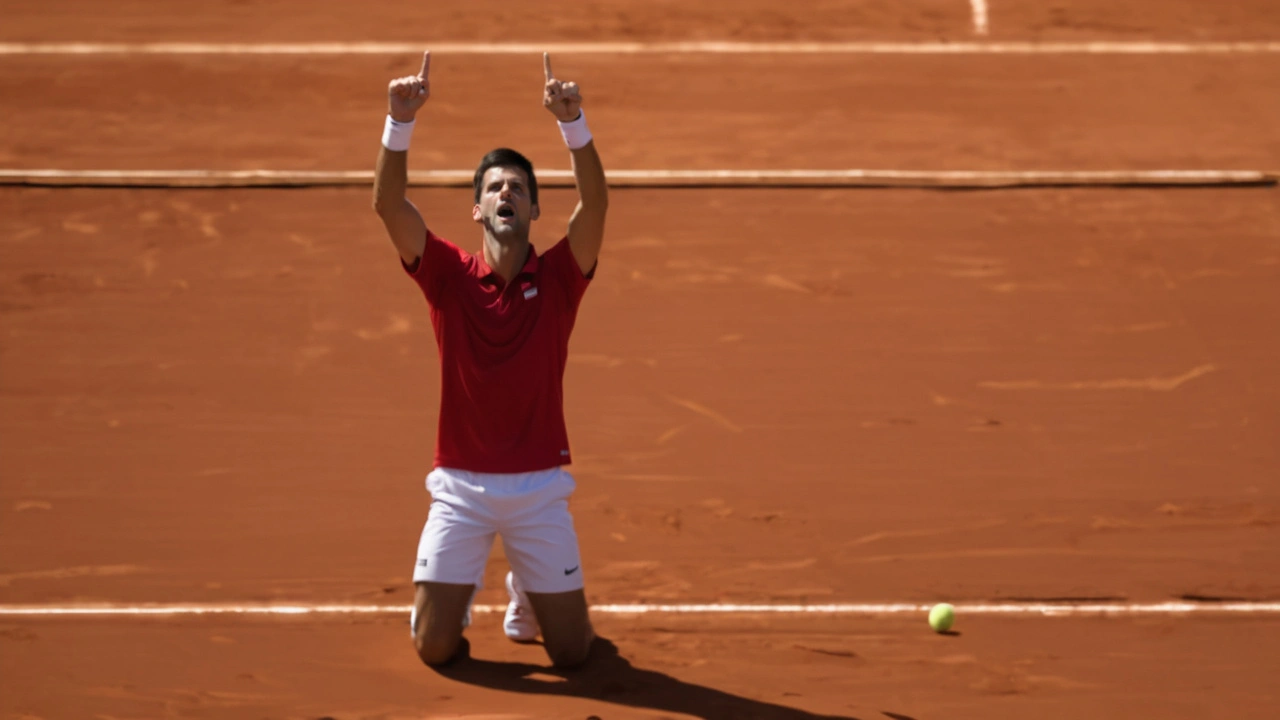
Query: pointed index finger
[[546, 65], [426, 64]]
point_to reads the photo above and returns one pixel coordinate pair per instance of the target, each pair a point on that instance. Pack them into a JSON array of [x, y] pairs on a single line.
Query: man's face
[[505, 208]]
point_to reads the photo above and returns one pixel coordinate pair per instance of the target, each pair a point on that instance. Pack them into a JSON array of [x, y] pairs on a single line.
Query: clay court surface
[[775, 396]]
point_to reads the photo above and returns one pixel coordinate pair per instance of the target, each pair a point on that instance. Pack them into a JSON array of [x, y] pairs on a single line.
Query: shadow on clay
[[609, 677]]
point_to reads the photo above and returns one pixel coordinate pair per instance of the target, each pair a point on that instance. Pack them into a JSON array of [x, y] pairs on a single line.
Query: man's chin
[[506, 230]]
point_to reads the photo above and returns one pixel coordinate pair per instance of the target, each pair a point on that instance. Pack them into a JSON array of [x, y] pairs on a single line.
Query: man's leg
[[566, 626], [542, 547], [438, 612], [452, 553]]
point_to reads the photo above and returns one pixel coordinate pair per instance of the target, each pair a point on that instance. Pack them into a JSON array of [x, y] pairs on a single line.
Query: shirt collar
[[488, 274]]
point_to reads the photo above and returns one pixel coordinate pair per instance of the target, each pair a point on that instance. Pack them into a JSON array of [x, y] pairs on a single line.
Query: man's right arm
[[404, 224]]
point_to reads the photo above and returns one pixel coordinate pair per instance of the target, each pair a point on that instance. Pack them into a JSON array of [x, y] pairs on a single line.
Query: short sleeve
[[440, 261], [562, 268]]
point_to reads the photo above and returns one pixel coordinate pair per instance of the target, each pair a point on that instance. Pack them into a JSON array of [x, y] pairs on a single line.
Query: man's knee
[[569, 655], [568, 659], [437, 651]]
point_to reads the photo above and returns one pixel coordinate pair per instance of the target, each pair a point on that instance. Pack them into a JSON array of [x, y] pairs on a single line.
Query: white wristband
[[575, 133], [395, 135]]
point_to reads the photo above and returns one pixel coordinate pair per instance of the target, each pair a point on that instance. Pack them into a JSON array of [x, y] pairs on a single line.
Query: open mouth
[[506, 211]]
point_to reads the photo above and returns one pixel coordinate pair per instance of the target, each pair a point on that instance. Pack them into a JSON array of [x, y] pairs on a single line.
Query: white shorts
[[530, 510]]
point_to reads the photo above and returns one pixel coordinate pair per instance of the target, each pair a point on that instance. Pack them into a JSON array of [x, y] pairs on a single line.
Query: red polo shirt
[[502, 356]]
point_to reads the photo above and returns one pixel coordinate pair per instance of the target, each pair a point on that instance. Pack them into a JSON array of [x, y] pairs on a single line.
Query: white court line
[[636, 48], [553, 176], [780, 174], [979, 8], [854, 609]]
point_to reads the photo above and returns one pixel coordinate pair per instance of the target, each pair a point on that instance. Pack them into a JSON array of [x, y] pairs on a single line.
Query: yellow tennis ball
[[941, 617]]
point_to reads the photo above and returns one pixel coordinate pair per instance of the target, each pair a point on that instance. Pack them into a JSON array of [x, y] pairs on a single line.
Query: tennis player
[[502, 319]]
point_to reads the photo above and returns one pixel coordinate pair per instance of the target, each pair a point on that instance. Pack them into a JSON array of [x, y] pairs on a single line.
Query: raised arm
[[405, 96], [586, 226]]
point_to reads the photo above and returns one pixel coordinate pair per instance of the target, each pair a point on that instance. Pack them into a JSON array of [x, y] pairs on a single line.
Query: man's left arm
[[586, 226]]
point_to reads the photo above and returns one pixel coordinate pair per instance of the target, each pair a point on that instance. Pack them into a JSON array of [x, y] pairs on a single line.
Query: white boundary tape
[[854, 609], [637, 178], [639, 48]]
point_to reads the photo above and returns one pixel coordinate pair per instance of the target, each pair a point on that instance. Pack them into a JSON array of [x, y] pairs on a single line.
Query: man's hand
[[406, 95], [561, 98]]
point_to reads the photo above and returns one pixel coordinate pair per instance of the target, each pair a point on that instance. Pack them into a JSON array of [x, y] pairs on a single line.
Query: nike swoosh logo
[[572, 570]]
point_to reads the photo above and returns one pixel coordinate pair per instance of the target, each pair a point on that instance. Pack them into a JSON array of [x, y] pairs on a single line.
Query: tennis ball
[[941, 617]]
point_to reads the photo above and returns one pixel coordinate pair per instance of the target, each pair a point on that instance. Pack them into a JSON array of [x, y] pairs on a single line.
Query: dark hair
[[506, 157]]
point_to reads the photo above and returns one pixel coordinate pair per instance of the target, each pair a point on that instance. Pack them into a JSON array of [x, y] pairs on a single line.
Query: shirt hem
[[499, 468]]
